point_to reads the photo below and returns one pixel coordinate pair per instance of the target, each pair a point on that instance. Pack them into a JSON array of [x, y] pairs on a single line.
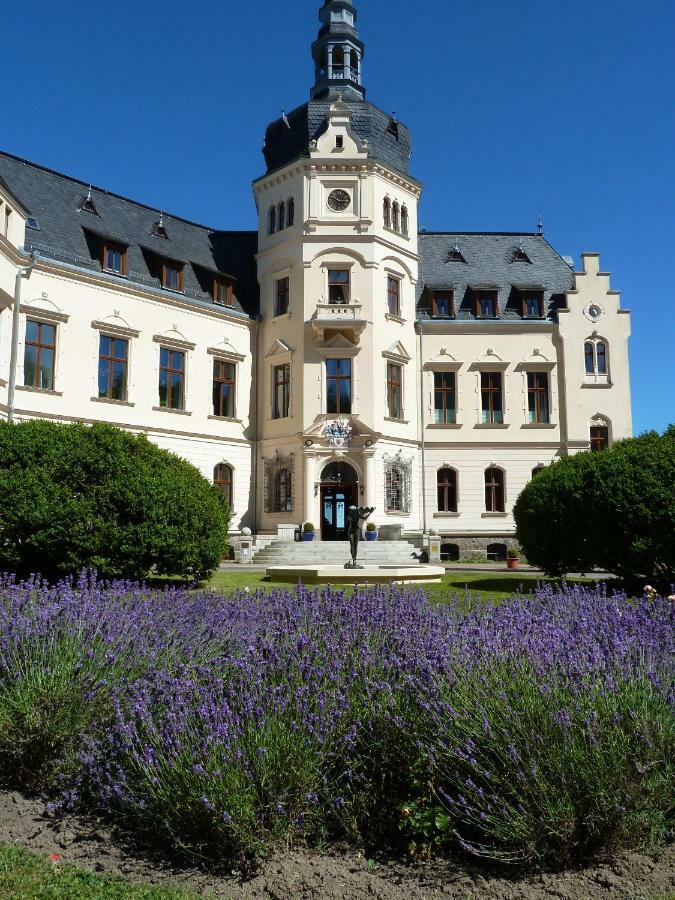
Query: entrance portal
[[339, 491]]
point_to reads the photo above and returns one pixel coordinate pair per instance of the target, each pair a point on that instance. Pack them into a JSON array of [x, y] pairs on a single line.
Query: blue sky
[[563, 108]]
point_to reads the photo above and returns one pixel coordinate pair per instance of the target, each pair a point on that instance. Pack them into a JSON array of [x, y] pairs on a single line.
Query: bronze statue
[[354, 517]]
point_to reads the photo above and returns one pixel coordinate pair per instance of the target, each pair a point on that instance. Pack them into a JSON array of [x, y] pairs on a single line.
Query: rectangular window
[[393, 296], [445, 404], [338, 385], [222, 292], [172, 276], [486, 305], [282, 392], [224, 387], [599, 437], [394, 391], [115, 258], [492, 410], [171, 378], [39, 355], [338, 285], [537, 398], [442, 305], [113, 356], [533, 306], [281, 296]]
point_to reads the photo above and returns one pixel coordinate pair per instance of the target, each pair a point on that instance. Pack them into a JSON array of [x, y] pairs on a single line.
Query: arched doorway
[[339, 491]]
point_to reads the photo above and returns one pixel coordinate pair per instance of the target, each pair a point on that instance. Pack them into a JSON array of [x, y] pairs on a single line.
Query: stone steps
[[289, 553]]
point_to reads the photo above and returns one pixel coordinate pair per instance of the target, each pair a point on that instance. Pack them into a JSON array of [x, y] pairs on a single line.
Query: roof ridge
[[479, 233], [86, 184]]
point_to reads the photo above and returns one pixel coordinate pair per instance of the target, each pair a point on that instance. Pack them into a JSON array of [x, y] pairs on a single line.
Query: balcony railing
[[339, 311]]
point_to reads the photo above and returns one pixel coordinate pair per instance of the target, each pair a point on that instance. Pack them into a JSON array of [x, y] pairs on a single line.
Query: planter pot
[[308, 535], [371, 535], [512, 563]]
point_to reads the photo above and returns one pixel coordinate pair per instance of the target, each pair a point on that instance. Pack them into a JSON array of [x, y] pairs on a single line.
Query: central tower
[[337, 53], [337, 266]]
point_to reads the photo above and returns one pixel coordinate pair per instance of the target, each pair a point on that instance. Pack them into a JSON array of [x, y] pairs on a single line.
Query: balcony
[[338, 317]]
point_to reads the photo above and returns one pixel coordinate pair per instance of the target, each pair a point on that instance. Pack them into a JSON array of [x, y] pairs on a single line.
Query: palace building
[[334, 355]]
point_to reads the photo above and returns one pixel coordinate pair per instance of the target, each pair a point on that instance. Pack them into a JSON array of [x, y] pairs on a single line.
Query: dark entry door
[[335, 501], [339, 491]]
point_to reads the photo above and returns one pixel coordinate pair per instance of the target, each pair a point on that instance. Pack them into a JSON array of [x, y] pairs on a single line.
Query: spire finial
[[540, 225]]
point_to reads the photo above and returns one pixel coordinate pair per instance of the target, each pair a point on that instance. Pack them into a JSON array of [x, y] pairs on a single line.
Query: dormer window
[[114, 258], [222, 292], [442, 304], [172, 275], [32, 223], [519, 255], [455, 255], [159, 229], [87, 204], [533, 306], [339, 142], [486, 305]]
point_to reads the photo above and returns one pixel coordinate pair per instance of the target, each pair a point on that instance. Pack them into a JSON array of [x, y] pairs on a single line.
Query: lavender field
[[538, 731]]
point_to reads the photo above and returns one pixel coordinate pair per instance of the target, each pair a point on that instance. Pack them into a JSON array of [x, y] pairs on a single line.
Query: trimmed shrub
[[74, 497], [614, 510]]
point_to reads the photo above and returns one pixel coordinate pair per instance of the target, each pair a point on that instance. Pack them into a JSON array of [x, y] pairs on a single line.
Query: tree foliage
[[614, 510], [73, 496]]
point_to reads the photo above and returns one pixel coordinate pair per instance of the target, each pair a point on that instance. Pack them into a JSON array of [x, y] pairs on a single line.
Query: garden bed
[[348, 875], [533, 735]]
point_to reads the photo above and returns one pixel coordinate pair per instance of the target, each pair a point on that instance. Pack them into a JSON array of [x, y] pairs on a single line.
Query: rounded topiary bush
[[74, 497], [614, 510]]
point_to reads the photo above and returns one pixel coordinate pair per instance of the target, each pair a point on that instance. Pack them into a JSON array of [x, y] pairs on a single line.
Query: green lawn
[[485, 585], [26, 876]]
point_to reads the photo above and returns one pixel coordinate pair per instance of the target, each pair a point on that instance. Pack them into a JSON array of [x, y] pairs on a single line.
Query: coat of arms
[[338, 433]]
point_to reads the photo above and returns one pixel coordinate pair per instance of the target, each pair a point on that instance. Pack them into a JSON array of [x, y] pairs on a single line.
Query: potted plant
[[512, 559], [371, 531], [308, 531]]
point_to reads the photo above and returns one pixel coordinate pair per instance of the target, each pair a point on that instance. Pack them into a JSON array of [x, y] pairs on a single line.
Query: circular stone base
[[366, 575]]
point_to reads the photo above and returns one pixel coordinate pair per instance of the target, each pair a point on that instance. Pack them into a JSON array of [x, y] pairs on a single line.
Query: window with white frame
[[596, 362], [397, 483]]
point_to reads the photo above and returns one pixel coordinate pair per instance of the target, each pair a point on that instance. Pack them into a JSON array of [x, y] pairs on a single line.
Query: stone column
[[369, 458], [310, 500], [330, 62]]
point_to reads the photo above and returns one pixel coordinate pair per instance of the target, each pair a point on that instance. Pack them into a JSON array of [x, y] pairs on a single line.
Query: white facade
[[344, 228]]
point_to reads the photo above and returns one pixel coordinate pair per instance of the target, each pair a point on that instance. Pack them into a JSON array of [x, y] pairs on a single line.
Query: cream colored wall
[[471, 348], [17, 220], [584, 398], [77, 303]]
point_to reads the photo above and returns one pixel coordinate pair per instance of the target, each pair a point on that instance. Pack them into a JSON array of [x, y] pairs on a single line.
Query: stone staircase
[[335, 553]]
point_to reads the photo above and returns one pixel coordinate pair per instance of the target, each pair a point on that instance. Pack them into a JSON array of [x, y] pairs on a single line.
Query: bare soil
[[305, 875]]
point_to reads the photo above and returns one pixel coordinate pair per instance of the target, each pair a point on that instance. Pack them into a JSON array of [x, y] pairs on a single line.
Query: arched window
[[589, 356], [537, 470], [595, 359], [497, 552], [338, 62], [386, 212], [395, 216], [449, 552], [494, 490], [397, 483], [273, 220], [404, 221], [446, 483], [222, 478], [282, 215], [283, 491], [290, 214]]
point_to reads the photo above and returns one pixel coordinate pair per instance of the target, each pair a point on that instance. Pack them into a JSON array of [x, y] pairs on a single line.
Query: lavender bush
[[541, 729]]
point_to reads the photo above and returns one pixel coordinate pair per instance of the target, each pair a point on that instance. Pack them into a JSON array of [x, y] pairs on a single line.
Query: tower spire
[[338, 53]]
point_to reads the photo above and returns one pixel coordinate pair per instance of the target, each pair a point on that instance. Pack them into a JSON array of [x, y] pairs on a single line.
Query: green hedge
[[74, 497], [614, 510]]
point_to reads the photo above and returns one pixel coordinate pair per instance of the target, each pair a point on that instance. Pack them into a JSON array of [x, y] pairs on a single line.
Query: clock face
[[339, 200]]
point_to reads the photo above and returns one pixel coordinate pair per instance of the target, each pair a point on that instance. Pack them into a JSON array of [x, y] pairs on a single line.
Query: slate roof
[[489, 264], [69, 234], [284, 145]]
